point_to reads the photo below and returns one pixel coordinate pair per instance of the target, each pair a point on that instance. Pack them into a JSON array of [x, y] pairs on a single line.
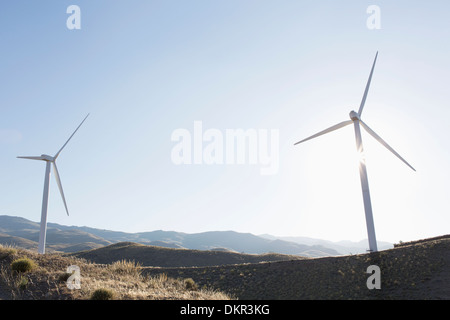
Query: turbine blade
[[56, 156], [58, 181], [32, 158], [363, 102], [377, 137], [335, 127]]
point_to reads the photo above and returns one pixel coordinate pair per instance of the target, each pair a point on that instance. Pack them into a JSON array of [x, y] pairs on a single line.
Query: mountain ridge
[[69, 238]]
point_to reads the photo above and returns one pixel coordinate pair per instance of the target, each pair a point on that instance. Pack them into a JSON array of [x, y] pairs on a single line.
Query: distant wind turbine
[[49, 161], [356, 120]]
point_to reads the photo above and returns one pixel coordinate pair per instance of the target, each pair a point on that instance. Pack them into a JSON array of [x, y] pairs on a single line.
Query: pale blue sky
[[143, 69]]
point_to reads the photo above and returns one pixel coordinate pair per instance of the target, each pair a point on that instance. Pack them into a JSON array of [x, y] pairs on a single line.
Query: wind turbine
[[49, 161], [356, 120]]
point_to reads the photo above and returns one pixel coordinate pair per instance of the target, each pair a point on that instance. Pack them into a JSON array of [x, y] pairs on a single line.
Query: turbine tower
[[49, 162], [356, 120]]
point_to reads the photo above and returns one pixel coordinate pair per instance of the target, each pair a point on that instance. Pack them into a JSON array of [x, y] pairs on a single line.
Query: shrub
[[22, 283], [190, 284], [102, 294], [125, 267], [23, 265], [6, 251]]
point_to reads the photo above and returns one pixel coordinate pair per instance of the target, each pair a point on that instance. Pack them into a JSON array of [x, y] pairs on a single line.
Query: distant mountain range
[[25, 233], [343, 247]]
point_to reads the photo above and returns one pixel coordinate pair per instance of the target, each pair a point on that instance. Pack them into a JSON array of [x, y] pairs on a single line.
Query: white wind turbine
[[356, 120], [49, 161]]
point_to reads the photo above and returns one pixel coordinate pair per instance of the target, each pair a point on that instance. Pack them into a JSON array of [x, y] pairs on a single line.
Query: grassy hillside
[[417, 271], [172, 257], [124, 280]]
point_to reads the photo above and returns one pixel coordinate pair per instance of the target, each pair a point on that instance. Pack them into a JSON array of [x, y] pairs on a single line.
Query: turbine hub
[[354, 116]]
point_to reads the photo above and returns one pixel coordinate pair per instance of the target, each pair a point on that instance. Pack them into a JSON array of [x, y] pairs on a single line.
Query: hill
[[25, 233], [124, 280], [147, 255], [72, 239], [420, 270], [6, 239], [417, 270]]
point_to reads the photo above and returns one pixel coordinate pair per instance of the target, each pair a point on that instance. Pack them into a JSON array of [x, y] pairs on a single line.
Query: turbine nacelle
[[46, 157], [354, 116]]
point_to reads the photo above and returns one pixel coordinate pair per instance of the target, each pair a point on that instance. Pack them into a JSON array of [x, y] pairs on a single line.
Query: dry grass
[[124, 278], [413, 271]]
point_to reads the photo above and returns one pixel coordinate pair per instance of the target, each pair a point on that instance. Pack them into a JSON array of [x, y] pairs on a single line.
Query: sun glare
[[361, 156]]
